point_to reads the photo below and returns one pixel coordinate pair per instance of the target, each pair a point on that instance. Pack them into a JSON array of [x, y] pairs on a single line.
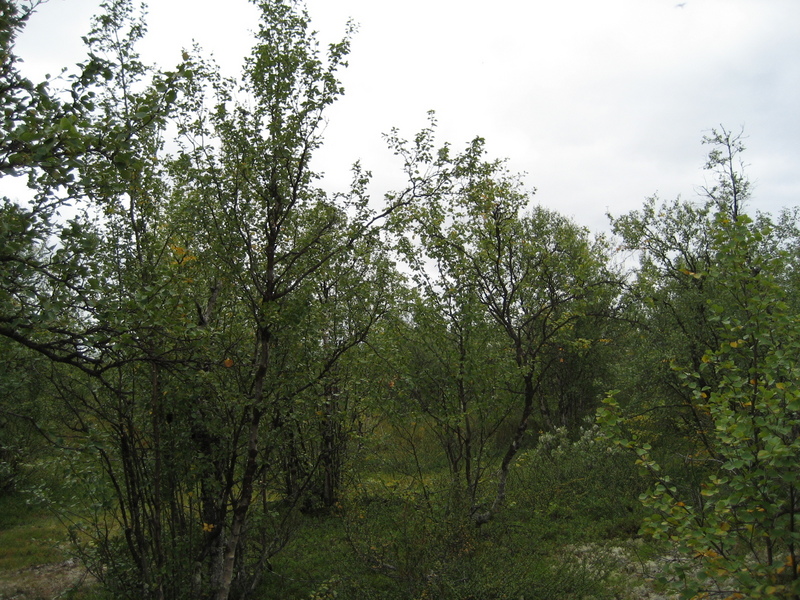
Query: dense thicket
[[252, 387]]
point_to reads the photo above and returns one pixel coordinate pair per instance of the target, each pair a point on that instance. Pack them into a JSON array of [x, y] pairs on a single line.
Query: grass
[[34, 563], [29, 536]]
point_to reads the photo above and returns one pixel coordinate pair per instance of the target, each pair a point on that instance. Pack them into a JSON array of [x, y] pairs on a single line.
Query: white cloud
[[602, 103]]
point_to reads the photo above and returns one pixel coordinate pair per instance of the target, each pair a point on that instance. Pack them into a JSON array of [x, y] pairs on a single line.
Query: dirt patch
[[44, 582]]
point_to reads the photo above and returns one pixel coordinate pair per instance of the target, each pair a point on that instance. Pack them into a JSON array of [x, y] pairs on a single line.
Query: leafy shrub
[[582, 480]]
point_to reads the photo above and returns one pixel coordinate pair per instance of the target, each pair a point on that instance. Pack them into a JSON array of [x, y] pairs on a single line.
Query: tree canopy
[[219, 356]]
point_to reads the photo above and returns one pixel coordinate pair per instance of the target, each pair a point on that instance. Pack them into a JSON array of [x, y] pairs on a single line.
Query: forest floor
[[34, 560], [635, 565], [67, 579], [35, 563]]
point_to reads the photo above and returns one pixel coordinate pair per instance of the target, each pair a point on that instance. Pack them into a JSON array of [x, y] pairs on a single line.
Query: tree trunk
[[241, 509], [242, 505], [511, 452]]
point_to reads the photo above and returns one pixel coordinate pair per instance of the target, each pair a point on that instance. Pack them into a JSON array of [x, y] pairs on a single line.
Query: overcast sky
[[601, 103]]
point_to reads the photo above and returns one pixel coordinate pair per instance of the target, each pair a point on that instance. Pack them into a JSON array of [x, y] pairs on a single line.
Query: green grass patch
[[29, 536]]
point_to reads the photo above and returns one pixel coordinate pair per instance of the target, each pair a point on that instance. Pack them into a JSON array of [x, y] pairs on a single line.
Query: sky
[[600, 103]]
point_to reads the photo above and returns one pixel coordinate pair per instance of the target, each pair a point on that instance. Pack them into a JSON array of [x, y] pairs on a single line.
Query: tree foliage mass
[[229, 366]]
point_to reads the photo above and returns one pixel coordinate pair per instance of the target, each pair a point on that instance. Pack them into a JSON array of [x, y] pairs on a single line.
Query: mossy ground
[[35, 563]]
